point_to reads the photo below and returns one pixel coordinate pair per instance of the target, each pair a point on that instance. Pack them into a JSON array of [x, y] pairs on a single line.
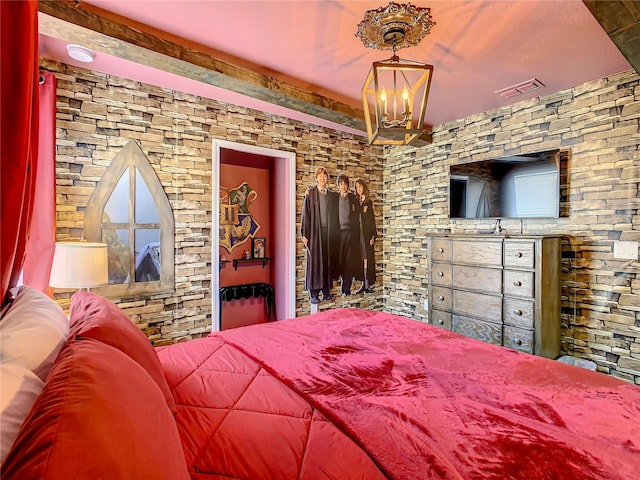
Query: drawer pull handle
[[441, 298], [441, 274], [440, 322], [517, 283], [518, 254], [518, 312], [517, 341], [441, 250]]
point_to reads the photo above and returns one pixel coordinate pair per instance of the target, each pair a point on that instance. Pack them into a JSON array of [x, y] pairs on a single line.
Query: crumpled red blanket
[[236, 421], [426, 403]]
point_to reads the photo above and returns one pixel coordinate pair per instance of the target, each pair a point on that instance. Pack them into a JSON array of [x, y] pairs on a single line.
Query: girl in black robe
[[349, 262], [368, 234]]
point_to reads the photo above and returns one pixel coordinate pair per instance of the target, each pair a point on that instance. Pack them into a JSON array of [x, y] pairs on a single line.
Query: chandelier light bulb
[[405, 101], [383, 99]]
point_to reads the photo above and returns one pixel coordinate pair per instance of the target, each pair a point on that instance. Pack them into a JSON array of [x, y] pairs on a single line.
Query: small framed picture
[[259, 247]]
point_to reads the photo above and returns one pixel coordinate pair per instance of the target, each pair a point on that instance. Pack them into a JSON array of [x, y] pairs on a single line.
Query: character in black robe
[[319, 228], [368, 234], [349, 262]]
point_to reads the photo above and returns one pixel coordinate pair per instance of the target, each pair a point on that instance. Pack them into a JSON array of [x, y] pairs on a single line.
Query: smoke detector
[[80, 53]]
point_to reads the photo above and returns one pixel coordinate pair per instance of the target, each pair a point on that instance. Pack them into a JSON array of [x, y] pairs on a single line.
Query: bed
[[342, 394]]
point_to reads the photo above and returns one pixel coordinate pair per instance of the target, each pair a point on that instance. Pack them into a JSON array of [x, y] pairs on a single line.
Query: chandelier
[[396, 90]]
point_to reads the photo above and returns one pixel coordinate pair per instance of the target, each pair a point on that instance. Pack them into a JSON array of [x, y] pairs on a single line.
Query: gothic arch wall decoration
[[130, 212]]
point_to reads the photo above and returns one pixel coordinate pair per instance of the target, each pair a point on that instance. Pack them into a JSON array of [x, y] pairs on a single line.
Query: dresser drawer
[[440, 249], [478, 305], [518, 339], [519, 253], [477, 252], [440, 319], [482, 279], [482, 330], [520, 283], [519, 313], [441, 298], [441, 274]]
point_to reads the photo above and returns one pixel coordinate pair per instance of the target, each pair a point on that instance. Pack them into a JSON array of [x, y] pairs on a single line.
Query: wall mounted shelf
[[264, 261]]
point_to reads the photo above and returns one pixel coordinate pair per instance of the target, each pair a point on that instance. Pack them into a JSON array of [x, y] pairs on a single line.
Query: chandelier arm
[[406, 80]]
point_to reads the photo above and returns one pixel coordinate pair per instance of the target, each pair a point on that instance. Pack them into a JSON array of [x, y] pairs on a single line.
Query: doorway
[[283, 225]]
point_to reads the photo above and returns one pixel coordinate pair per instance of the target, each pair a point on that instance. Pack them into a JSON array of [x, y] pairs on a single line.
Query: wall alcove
[[280, 270]]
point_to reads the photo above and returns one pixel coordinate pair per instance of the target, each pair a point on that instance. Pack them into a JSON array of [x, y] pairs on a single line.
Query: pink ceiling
[[476, 47]]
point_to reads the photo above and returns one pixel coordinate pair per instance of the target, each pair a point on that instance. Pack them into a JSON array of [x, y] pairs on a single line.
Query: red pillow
[[93, 316], [99, 415]]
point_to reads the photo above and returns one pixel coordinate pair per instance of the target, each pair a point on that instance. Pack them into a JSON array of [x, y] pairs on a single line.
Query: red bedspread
[[236, 421], [334, 394], [427, 403]]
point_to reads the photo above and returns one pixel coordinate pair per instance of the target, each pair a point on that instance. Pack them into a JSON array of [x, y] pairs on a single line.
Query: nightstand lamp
[[79, 265]]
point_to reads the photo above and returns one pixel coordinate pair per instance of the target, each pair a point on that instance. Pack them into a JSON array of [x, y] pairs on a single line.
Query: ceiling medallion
[[395, 92], [394, 26]]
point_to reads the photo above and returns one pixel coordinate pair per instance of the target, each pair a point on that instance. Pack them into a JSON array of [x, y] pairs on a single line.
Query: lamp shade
[[79, 265]]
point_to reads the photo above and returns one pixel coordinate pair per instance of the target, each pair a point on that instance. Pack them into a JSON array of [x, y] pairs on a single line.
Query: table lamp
[[79, 264]]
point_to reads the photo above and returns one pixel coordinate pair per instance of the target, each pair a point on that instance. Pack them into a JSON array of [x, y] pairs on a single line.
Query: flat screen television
[[519, 186]]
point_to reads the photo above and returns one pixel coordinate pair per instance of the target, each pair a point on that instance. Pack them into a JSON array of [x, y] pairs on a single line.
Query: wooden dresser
[[500, 289]]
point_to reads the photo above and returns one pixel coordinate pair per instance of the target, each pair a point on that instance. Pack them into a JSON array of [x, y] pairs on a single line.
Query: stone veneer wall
[[97, 114], [599, 123]]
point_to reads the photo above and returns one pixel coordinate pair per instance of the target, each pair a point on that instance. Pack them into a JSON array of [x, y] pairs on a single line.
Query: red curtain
[[19, 132], [39, 253]]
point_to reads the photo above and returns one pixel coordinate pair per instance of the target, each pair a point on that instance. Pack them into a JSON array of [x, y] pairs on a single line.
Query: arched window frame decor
[[131, 158]]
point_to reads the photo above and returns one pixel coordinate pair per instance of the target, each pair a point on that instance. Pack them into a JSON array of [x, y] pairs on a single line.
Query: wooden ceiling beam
[[103, 31], [621, 20]]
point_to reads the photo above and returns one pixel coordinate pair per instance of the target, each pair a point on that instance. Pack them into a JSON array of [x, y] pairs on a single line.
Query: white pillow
[[32, 331], [20, 387]]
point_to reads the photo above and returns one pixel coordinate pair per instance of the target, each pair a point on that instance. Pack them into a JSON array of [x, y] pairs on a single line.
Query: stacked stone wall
[[98, 114], [599, 123]]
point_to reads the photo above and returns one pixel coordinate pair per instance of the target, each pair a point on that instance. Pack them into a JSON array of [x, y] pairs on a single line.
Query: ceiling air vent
[[520, 88]]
